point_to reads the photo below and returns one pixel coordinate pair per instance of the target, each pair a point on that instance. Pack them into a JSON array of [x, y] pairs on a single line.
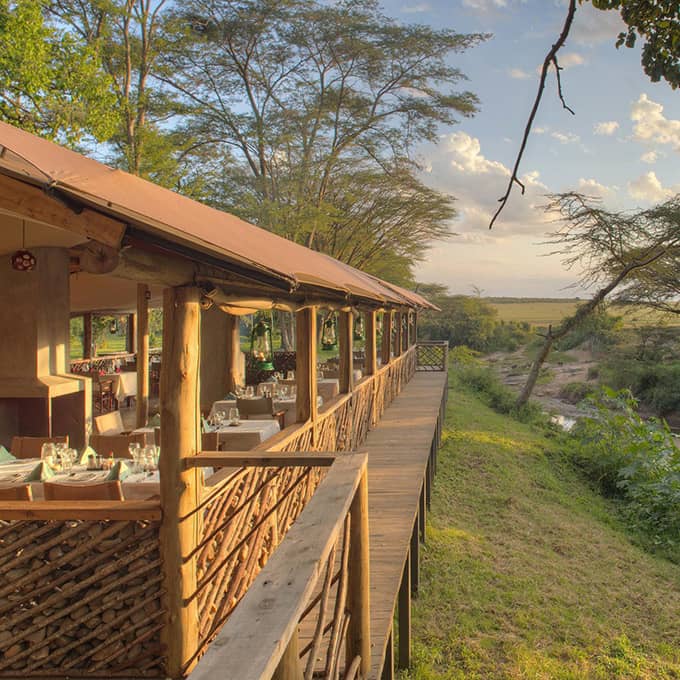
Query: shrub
[[634, 459], [574, 392]]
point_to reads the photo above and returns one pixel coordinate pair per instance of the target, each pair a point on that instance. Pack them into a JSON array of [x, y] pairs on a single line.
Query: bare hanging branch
[[551, 58]]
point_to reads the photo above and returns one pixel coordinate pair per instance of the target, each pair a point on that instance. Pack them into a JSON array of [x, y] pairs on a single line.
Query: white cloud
[[606, 128], [591, 187], [466, 156], [565, 137], [649, 189], [540, 130], [570, 59], [519, 74], [650, 157], [651, 126], [593, 26], [484, 5], [417, 8]]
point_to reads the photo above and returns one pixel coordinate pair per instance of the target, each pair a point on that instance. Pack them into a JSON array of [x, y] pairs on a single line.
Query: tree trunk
[[535, 370]]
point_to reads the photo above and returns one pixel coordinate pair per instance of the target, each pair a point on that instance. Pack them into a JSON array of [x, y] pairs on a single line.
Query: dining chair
[[83, 491], [31, 447], [229, 441], [16, 492], [260, 408], [102, 392], [117, 444], [109, 423]]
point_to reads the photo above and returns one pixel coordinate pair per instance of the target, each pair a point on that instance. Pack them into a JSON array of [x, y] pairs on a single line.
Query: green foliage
[[471, 321], [574, 392], [51, 83], [600, 330], [658, 22], [635, 459]]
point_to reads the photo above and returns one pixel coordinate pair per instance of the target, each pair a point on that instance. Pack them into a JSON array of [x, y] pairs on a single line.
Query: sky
[[623, 144]]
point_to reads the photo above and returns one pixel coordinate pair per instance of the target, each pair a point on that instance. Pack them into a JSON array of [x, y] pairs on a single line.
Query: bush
[[574, 392], [633, 459], [498, 396]]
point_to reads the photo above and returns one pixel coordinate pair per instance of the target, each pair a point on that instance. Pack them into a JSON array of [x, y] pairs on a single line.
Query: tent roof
[[186, 222]]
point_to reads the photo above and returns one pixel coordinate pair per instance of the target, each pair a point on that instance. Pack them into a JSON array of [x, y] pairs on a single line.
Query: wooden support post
[[130, 335], [414, 552], [422, 513], [388, 664], [305, 364], [180, 487], [428, 485], [142, 354], [405, 615], [371, 363], [289, 667], [398, 328], [358, 603], [346, 347], [87, 335], [386, 346], [233, 350]]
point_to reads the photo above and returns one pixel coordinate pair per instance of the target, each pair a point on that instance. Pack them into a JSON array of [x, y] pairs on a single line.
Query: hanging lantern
[[359, 327], [329, 335], [261, 346], [23, 260], [113, 326]]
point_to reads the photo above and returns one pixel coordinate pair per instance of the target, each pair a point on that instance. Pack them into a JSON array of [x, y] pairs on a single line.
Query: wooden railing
[[433, 355], [316, 619], [81, 593]]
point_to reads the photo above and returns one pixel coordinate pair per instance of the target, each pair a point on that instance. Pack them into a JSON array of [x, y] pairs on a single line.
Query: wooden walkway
[[398, 454]]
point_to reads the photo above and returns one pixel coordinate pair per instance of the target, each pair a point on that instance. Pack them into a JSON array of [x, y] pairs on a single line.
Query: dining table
[[285, 404], [124, 385], [328, 388]]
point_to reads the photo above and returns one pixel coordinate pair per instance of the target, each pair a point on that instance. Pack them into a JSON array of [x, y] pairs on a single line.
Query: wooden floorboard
[[398, 450]]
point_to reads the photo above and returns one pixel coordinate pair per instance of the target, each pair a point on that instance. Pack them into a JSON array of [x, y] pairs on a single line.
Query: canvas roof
[[184, 221]]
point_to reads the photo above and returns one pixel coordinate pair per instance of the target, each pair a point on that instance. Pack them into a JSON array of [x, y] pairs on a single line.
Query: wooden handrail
[[251, 458], [254, 639], [76, 510]]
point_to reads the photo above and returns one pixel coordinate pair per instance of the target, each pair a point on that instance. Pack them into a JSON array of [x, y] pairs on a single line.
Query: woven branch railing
[[432, 356], [81, 598], [307, 613], [243, 522]]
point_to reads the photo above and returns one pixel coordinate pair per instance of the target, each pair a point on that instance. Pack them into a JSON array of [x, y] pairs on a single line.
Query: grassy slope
[[526, 574]]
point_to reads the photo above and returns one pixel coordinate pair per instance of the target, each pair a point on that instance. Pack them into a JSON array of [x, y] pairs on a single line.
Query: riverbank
[[527, 572]]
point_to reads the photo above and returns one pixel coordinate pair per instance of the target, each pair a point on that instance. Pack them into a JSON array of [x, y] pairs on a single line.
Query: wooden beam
[[180, 488], [386, 346], [305, 365], [371, 363], [142, 406], [85, 510], [346, 351], [233, 350], [257, 459], [289, 667], [398, 328], [405, 615], [358, 598], [87, 335], [32, 203]]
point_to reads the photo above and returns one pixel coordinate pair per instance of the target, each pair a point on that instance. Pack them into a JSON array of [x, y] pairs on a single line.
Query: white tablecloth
[[265, 428], [124, 384], [287, 405]]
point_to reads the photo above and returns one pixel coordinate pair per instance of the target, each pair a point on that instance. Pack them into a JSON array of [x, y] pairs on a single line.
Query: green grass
[[544, 312], [527, 573]]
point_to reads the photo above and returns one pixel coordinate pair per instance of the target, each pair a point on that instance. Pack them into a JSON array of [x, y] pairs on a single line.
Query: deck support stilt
[[422, 513], [405, 615], [414, 553], [388, 665], [428, 484]]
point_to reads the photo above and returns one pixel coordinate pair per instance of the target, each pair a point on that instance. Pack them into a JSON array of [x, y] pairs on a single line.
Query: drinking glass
[[250, 392], [290, 375], [240, 391], [133, 448], [221, 417], [48, 453], [234, 416], [283, 391], [293, 390]]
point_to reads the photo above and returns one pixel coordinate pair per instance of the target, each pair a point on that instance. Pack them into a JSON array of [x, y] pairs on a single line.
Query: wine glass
[[234, 416], [250, 392], [133, 448], [290, 375], [48, 453], [283, 391]]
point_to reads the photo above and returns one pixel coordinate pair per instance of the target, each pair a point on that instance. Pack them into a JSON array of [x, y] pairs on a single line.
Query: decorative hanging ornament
[[113, 326], [359, 327], [329, 335], [23, 260], [261, 346]]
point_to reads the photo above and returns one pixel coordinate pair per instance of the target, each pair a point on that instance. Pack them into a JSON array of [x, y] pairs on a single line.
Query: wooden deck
[[398, 453]]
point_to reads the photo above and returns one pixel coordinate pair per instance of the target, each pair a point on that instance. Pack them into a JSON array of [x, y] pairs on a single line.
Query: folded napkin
[[5, 455], [89, 451], [155, 420], [118, 472], [40, 473], [230, 397]]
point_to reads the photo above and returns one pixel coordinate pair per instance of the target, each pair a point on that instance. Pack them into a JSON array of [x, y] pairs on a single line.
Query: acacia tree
[[612, 249], [50, 83], [312, 97]]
